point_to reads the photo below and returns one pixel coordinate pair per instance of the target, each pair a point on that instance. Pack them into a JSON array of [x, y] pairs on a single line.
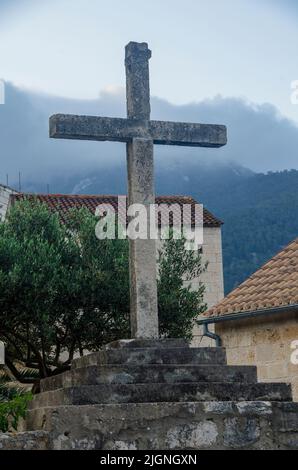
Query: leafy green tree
[[179, 304], [63, 291]]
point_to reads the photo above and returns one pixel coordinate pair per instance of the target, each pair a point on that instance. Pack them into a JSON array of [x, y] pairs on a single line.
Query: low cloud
[[259, 138]]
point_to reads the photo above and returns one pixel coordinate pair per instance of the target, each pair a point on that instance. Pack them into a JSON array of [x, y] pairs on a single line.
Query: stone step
[[140, 356], [154, 373], [173, 426], [150, 393], [148, 343]]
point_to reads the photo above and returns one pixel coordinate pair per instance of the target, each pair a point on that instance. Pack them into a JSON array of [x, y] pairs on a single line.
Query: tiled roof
[[62, 203], [273, 285]]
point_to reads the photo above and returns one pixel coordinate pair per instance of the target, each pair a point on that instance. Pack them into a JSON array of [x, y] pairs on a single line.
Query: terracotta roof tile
[[275, 284], [62, 203]]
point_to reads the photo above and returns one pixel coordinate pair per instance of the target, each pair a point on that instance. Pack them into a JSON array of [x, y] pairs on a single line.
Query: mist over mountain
[[260, 210], [258, 138]]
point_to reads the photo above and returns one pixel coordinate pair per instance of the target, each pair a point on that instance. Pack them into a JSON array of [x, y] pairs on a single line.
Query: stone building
[[258, 322], [211, 249], [5, 192]]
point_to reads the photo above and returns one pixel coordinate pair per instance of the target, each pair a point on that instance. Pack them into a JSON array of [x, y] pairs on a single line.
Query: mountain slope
[[260, 211], [261, 217]]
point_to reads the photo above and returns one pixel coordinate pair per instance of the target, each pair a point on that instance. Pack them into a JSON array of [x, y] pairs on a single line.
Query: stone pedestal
[[162, 394]]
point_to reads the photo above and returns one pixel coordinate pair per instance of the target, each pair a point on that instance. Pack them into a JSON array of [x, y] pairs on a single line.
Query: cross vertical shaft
[[137, 57], [140, 171], [140, 134]]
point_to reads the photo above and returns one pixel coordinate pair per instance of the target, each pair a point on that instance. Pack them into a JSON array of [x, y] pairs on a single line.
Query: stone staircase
[[146, 394]]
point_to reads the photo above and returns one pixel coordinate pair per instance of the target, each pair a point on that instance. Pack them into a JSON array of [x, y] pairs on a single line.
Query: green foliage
[[63, 291], [264, 221], [14, 397], [179, 305], [12, 410]]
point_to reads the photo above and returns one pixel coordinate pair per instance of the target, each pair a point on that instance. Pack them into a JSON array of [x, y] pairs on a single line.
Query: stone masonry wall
[[34, 440], [174, 426], [212, 278], [5, 192], [265, 343]]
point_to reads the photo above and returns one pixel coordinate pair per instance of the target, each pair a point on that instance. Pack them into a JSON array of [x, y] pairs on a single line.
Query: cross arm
[[188, 134], [67, 126]]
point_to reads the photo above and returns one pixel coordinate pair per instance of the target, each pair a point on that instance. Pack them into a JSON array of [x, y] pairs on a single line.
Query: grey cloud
[[259, 138]]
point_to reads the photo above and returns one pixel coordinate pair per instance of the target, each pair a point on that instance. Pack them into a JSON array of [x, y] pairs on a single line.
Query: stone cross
[[139, 133]]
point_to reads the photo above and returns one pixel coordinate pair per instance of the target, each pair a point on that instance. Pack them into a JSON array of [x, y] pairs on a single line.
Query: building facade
[[258, 322], [5, 193]]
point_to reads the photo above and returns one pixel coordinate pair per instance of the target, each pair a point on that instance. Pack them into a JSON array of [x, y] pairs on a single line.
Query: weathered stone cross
[[139, 133]]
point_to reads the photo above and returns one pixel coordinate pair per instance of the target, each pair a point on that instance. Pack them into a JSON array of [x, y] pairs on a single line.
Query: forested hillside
[[261, 217], [260, 211]]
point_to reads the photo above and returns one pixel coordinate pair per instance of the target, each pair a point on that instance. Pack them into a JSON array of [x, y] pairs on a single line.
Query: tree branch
[[20, 378]]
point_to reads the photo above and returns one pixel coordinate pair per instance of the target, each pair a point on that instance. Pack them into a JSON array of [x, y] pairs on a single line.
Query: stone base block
[[34, 440], [162, 394], [155, 373], [157, 393], [151, 355], [176, 426], [147, 343]]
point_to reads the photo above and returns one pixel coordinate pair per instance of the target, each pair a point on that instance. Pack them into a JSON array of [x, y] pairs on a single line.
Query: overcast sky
[[201, 48], [220, 61]]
